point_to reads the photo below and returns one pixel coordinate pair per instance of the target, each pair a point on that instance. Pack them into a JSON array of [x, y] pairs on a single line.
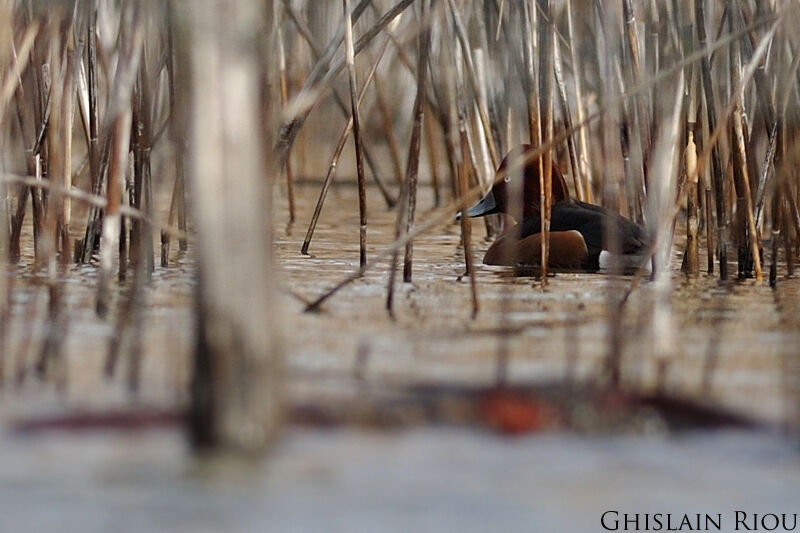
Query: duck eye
[[507, 179]]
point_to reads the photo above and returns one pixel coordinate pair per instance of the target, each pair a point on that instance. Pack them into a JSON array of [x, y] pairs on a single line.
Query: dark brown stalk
[[362, 192], [334, 161], [546, 36], [464, 165], [716, 159], [743, 183], [21, 58], [466, 222], [777, 204], [412, 166], [91, 235]]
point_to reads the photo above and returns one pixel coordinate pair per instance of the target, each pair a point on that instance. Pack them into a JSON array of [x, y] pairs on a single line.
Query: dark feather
[[598, 225]]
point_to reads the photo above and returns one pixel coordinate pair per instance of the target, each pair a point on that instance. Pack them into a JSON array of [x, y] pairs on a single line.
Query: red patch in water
[[515, 414]]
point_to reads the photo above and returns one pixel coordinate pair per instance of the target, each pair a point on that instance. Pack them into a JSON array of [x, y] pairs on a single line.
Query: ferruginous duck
[[581, 234]]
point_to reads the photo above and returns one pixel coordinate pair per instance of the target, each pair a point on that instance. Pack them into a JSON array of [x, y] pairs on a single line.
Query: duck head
[[499, 199]]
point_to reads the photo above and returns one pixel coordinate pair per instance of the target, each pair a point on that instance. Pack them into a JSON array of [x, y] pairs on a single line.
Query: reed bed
[[125, 122]]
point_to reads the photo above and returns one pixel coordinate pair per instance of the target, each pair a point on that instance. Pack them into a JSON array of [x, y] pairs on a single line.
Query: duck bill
[[486, 206]]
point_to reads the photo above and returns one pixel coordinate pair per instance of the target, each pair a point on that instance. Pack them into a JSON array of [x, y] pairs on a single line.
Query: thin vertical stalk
[[744, 184], [337, 152], [692, 219], [777, 204], [284, 101], [547, 35], [362, 192], [466, 222], [585, 167], [412, 166], [717, 174], [91, 234], [571, 148], [461, 33]]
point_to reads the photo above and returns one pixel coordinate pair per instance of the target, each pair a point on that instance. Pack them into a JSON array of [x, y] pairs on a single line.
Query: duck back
[[599, 227]]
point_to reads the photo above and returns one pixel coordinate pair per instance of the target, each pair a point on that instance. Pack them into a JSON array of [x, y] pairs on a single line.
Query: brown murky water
[[735, 345], [741, 338]]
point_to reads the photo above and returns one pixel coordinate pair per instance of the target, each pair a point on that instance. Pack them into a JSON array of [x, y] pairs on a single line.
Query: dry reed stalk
[[128, 333], [177, 133], [472, 76], [466, 222], [747, 237], [284, 101], [59, 131], [567, 120], [693, 183], [340, 102], [463, 174], [120, 118], [412, 165], [640, 104], [326, 69], [530, 48], [21, 59], [769, 161], [6, 35], [547, 37], [716, 159], [362, 192], [777, 205], [744, 185], [91, 234], [628, 150], [483, 88], [585, 168], [490, 55], [334, 161], [233, 109]]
